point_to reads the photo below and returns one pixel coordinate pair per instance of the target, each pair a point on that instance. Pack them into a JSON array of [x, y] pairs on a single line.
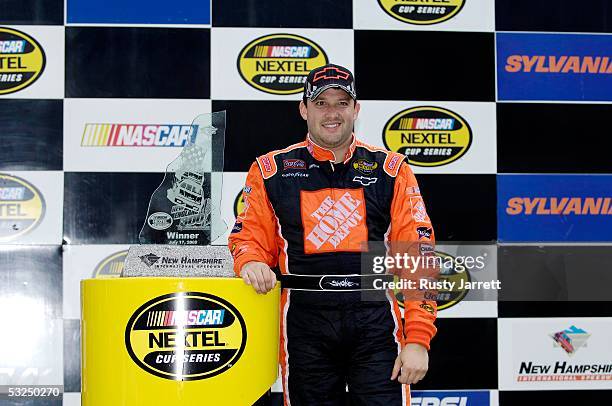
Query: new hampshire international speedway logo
[[149, 259], [588, 367], [570, 339], [22, 60], [22, 207], [137, 135], [279, 63], [428, 136], [422, 12], [186, 336]]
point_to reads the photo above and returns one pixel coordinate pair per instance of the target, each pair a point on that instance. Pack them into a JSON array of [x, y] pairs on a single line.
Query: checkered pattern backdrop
[[106, 88]]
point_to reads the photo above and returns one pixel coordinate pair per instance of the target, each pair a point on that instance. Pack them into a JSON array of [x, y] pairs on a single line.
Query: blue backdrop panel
[[554, 208], [554, 67], [138, 11]]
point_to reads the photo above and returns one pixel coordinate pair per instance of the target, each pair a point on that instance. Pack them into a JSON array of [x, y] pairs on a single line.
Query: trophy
[[184, 214], [167, 337]]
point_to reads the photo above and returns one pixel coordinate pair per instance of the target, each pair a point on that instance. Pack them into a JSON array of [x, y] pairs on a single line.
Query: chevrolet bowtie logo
[[364, 180], [330, 73], [149, 259]]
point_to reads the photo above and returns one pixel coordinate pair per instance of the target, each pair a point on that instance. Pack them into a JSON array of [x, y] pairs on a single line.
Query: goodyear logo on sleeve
[[279, 63], [428, 136], [22, 60], [22, 207], [186, 336], [422, 12], [137, 135]]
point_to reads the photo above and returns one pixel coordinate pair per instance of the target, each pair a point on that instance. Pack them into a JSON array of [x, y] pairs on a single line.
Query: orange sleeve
[[253, 237], [411, 224]]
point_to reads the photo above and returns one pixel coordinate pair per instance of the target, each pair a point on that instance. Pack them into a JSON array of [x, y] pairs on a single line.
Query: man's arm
[[252, 241], [411, 224]]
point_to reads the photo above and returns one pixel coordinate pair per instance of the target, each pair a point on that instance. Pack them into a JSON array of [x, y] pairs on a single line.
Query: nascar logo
[[426, 124], [279, 63], [22, 60], [422, 12], [428, 135], [12, 47], [186, 317], [264, 51], [22, 207], [186, 336], [137, 135]]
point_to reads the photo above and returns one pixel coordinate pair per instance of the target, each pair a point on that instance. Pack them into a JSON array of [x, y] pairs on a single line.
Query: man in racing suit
[[308, 209]]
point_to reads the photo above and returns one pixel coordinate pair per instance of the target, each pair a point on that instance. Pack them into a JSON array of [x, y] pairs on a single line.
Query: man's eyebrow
[[341, 98]]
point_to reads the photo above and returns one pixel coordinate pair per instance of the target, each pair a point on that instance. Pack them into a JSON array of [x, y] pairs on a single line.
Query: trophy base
[[179, 261]]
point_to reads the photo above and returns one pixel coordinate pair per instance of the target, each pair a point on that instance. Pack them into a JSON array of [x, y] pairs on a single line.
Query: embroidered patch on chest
[[334, 220]]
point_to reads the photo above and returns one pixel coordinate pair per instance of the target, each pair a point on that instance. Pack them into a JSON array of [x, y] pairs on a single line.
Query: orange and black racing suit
[[306, 215]]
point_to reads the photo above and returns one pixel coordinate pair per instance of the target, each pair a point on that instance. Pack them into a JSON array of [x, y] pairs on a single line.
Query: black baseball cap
[[328, 76]]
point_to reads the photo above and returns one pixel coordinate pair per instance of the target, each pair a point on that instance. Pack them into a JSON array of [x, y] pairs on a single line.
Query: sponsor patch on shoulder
[[265, 161], [237, 227], [393, 163], [413, 190], [267, 165], [418, 210], [424, 232]]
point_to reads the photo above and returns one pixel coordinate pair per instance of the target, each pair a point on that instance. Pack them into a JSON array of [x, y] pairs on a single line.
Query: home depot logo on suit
[[333, 219]]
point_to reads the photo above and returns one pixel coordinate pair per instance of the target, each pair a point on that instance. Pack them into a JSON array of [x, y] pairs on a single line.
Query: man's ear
[[357, 108], [303, 110]]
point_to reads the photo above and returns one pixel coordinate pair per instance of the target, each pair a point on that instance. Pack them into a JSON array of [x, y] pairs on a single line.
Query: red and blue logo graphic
[[570, 339]]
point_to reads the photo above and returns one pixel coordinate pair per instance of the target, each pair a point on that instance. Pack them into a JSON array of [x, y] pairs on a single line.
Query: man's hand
[[413, 362], [259, 275]]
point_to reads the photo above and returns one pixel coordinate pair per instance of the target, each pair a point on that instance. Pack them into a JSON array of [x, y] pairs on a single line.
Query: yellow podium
[[177, 341]]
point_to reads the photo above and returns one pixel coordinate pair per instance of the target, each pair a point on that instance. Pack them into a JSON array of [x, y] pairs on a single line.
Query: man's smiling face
[[330, 117]]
